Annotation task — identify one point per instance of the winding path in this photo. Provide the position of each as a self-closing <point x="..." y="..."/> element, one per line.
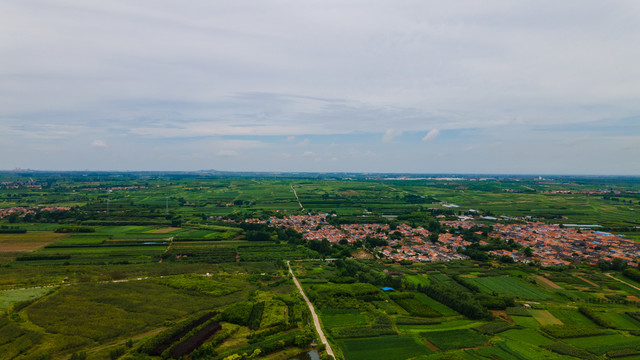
<point x="316" y="321"/>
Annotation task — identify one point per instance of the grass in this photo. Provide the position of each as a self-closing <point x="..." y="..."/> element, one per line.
<point x="274" y="313"/>
<point x="10" y="297"/>
<point x="393" y="347"/>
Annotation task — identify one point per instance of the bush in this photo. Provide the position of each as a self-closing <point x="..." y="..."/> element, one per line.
<point x="238" y="313"/>
<point x="255" y="318"/>
<point x="74" y="229"/>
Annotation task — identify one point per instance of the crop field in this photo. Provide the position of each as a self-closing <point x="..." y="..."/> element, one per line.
<point x="455" y="339"/>
<point x="621" y="320"/>
<point x="605" y="343"/>
<point x="385" y="347"/>
<point x="439" y="307"/>
<point x="28" y="242"/>
<point x="544" y="317"/>
<point x="507" y="285"/>
<point x="348" y="319"/>
<point x="571" y="317"/>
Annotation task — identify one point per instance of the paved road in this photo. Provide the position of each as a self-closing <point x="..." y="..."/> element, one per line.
<point x="316" y="322"/>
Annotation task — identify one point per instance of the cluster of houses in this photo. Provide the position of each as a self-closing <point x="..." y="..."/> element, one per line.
<point x="551" y="245"/>
<point x="558" y="245"/>
<point x="23" y="210"/>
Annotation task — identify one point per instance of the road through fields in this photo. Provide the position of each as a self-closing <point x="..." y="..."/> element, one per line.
<point x="316" y="321"/>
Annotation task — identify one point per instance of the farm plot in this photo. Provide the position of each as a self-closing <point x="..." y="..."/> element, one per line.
<point x="621" y="320"/>
<point x="353" y="319"/>
<point x="20" y="243"/>
<point x="571" y="317"/>
<point x="544" y="317"/>
<point x="392" y="347"/>
<point x="455" y="339"/>
<point x="605" y="343"/>
<point x="506" y="285"/>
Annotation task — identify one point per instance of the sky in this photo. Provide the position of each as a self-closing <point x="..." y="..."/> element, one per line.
<point x="495" y="86"/>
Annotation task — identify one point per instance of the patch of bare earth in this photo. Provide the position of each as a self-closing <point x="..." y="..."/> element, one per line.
<point x="587" y="281"/>
<point x="633" y="298"/>
<point x="16" y="243"/>
<point x="502" y="314"/>
<point x="548" y="282"/>
<point x="431" y="346"/>
<point x="362" y="255"/>
<point x="165" y="230"/>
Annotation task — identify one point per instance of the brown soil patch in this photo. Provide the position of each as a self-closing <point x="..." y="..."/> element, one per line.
<point x="362" y="255"/>
<point x="14" y="243"/>
<point x="348" y="193"/>
<point x="431" y="346"/>
<point x="502" y="314"/>
<point x="548" y="282"/>
<point x="587" y="281"/>
<point x="633" y="298"/>
<point x="469" y="276"/>
<point x="165" y="230"/>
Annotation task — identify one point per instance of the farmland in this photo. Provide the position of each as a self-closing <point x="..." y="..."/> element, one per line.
<point x="151" y="266"/>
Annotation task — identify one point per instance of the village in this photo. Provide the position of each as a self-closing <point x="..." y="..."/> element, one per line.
<point x="551" y="244"/>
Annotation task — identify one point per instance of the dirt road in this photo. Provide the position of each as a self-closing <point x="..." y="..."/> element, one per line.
<point x="316" y="322"/>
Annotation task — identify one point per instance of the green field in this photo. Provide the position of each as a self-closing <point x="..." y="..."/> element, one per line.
<point x="455" y="339"/>
<point x="384" y="347"/>
<point x="510" y="286"/>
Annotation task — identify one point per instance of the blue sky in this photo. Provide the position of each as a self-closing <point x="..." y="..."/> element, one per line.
<point x="533" y="87"/>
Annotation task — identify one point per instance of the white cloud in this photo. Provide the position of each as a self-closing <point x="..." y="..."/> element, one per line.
<point x="98" y="144"/>
<point x="431" y="135"/>
<point x="390" y="134"/>
<point x="228" y="153"/>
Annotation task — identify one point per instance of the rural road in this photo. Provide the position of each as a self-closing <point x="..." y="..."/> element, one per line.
<point x="316" y="322"/>
<point x="624" y="282"/>
<point x="297" y="198"/>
